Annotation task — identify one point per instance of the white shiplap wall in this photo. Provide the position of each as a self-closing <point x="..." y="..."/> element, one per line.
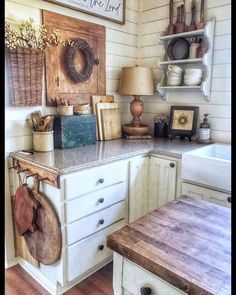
<point x="121" y="50"/>
<point x="154" y="20"/>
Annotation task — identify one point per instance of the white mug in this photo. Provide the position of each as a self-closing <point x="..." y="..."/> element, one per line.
<point x="173" y="74"/>
<point x="175" y="69"/>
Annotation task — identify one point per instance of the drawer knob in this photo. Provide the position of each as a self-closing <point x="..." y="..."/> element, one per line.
<point x="229" y="199"/>
<point x="172" y="165"/>
<point x="101" y="200"/>
<point x="145" y="291"/>
<point x="101" y="180"/>
<point x="101" y="221"/>
<point x="101" y="247"/>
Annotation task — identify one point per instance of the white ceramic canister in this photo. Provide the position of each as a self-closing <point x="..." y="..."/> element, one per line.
<point x="43" y="141"/>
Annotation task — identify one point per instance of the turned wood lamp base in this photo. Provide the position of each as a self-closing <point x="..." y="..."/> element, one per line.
<point x="136" y="81"/>
<point x="131" y="130"/>
<point x="136" y="128"/>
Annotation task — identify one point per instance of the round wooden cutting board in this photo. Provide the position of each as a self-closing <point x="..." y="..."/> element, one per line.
<point x="46" y="242"/>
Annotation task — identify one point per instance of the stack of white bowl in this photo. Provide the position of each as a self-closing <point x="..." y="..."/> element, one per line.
<point x="192" y="77"/>
<point x="174" y="75"/>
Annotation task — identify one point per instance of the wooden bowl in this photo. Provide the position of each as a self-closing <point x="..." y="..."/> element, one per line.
<point x="83" y="109"/>
<point x="129" y="129"/>
<point x="65" y="110"/>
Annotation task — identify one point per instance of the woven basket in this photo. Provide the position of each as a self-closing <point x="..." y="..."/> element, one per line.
<point x="25" y="71"/>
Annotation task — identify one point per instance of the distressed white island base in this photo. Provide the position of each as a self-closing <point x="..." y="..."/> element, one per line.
<point x="129" y="278"/>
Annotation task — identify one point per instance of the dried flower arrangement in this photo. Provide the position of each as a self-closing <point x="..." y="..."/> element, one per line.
<point x="25" y="36"/>
<point x="25" y="55"/>
<point x="161" y="118"/>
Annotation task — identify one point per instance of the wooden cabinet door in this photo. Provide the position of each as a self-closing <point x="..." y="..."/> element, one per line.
<point x="206" y="194"/>
<point x="138" y="187"/>
<point x="58" y="83"/>
<point x="162" y="182"/>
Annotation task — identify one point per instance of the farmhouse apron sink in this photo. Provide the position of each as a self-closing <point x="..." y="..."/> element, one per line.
<point x="209" y="165"/>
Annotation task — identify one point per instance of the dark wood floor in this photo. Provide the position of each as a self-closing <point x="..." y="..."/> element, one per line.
<point x="19" y="282"/>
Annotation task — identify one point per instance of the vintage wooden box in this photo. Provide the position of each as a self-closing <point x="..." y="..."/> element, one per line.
<point x="73" y="131"/>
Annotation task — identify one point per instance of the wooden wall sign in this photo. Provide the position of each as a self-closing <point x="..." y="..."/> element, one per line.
<point x="75" y="73"/>
<point x="113" y="10"/>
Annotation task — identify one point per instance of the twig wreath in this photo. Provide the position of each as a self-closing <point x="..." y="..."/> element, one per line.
<point x="87" y="52"/>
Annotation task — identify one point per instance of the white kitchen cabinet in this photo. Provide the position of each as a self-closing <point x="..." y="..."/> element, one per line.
<point x="133" y="277"/>
<point x="95" y="198"/>
<point x="153" y="181"/>
<point x="90" y="204"/>
<point x="136" y="277"/>
<point x="93" y="223"/>
<point x="210" y="195"/>
<point x="89" y="252"/>
<point x="162" y="182"/>
<point x="93" y="179"/>
<point x="138" y="187"/>
<point x="95" y="201"/>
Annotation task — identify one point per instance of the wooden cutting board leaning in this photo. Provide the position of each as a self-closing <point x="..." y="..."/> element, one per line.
<point x="111" y="125"/>
<point x="98" y="99"/>
<point x="107" y="122"/>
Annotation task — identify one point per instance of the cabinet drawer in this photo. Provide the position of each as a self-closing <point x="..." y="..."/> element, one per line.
<point x="135" y="277"/>
<point x="80" y="207"/>
<point x="95" y="222"/>
<point x="85" y="254"/>
<point x="92" y="179"/>
<point x="206" y="194"/>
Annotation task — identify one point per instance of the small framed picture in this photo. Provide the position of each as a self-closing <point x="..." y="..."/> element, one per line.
<point x="183" y="121"/>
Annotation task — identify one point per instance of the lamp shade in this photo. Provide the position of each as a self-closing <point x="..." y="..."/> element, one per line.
<point x="136" y="81"/>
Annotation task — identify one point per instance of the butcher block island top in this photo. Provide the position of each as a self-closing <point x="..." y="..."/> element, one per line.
<point x="187" y="242"/>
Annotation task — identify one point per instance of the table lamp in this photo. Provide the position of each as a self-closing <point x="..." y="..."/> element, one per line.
<point x="136" y="81"/>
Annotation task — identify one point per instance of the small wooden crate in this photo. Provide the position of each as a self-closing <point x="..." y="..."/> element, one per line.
<point x="74" y="131"/>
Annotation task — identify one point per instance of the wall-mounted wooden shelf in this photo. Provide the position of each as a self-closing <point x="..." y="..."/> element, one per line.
<point x="180" y="88"/>
<point x="183" y="35"/>
<point x="181" y="61"/>
<point x="205" y="63"/>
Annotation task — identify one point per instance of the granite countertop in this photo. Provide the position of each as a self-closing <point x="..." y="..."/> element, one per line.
<point x="187" y="242"/>
<point x="66" y="161"/>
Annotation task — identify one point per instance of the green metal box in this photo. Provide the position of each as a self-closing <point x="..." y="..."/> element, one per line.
<point x="73" y="131"/>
